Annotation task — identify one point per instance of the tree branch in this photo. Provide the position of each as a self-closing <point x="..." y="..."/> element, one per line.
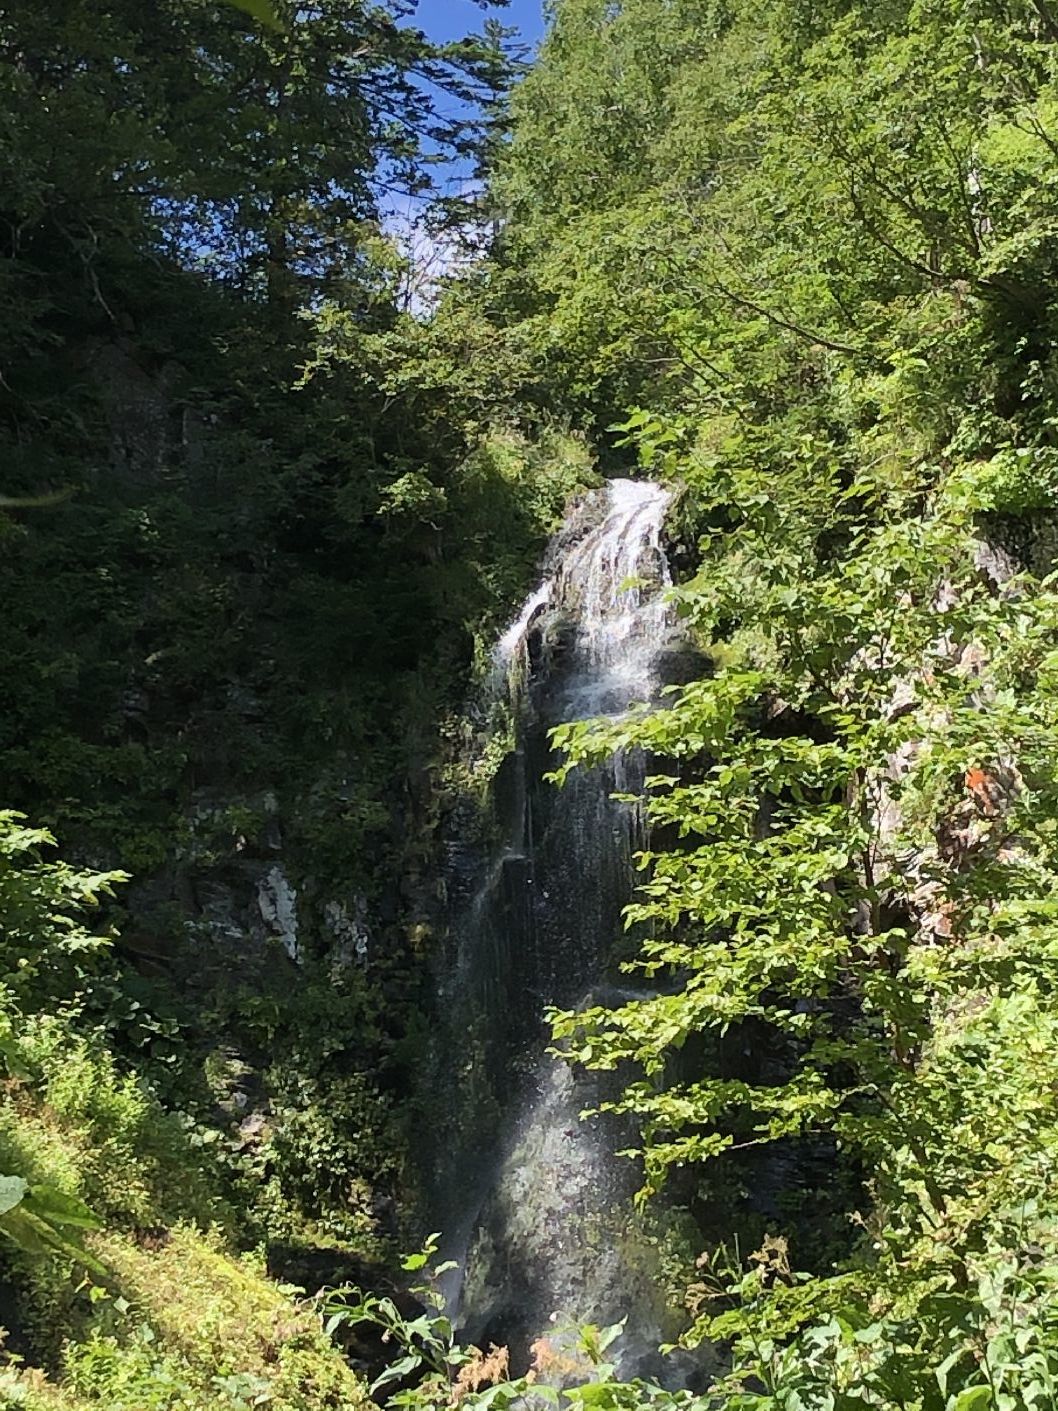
<point x="807" y="334"/>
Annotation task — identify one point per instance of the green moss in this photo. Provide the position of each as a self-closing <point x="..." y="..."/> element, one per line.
<point x="195" y="1328"/>
<point x="87" y="1128"/>
<point x="181" y="1323"/>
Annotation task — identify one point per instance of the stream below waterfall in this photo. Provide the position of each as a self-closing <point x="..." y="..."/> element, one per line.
<point x="535" y="1204"/>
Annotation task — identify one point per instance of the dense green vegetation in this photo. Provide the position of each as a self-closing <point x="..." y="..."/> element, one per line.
<point x="258" y="515"/>
<point x="814" y="257"/>
<point x="241" y="590"/>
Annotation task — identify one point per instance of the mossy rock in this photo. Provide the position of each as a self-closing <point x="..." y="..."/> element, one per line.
<point x="185" y="1326"/>
<point x="216" y="1325"/>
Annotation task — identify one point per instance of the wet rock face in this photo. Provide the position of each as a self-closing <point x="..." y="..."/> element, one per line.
<point x="976" y="826"/>
<point x="1018" y="542"/>
<point x="234" y="902"/>
<point x="350" y="932"/>
<point x="995" y="563"/>
<point x="534" y="1201"/>
<point x="277" y="902"/>
<point x="557" y="1242"/>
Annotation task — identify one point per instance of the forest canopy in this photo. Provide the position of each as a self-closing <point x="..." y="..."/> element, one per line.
<point x="262" y="515"/>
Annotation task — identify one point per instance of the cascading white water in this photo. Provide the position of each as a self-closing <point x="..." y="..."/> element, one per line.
<point x="608" y="582"/>
<point x="537" y="1204"/>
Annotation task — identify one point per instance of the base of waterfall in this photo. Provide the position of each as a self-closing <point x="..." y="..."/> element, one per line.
<point x="558" y="1242"/>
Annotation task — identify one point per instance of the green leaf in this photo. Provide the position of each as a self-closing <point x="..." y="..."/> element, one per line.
<point x="48" y="497"/>
<point x="35" y="1236"/>
<point x="260" y="10"/>
<point x="58" y="1208"/>
<point x="12" y="1191"/>
<point x="403" y="1367"/>
<point x="25" y="1232"/>
<point x="11" y="1058"/>
<point x="977" y="1398"/>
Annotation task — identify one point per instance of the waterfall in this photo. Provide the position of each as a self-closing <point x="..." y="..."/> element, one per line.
<point x="536" y="1205"/>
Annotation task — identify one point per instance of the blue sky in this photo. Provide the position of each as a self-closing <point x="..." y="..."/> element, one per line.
<point x="448" y="19"/>
<point x="452" y="19"/>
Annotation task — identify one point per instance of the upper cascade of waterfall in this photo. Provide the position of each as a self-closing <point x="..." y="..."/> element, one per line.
<point x="604" y="581"/>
